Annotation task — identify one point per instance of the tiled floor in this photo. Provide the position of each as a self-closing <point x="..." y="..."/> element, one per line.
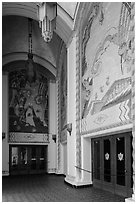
<point x="50" y="188"/>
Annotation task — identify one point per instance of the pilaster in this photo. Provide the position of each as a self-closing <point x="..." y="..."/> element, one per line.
<point x="132" y="40"/>
<point x="5" y="124"/>
<point x="58" y="89"/>
<point x="52" y="128"/>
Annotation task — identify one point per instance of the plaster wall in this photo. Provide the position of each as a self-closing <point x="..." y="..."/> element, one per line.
<point x="5" y="146"/>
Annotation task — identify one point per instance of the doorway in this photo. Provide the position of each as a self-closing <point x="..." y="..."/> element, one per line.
<point x="112" y="163"/>
<point x="28" y="159"/>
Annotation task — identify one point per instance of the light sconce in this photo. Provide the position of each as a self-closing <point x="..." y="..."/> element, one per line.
<point x="54" y="138"/>
<point x="47" y="12"/>
<point x="69" y="128"/>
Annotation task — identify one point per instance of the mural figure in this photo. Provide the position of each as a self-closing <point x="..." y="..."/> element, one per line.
<point x="109" y="63"/>
<point x="28" y="102"/>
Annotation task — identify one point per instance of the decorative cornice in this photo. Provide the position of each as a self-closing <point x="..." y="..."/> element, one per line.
<point x="17" y="137"/>
<point x="107" y="127"/>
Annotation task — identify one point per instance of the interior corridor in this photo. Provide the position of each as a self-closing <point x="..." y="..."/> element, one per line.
<point x="50" y="188"/>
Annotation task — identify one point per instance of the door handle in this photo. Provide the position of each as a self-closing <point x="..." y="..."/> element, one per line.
<point x="125" y="171"/>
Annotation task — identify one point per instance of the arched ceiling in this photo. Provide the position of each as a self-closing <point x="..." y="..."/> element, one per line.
<point x="64" y="22"/>
<point x="15" y="43"/>
<point x="15" y="33"/>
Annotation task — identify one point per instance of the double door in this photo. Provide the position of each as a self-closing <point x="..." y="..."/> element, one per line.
<point x="112" y="163"/>
<point x="28" y="159"/>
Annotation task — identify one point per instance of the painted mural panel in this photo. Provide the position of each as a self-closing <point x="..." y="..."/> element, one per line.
<point x="106" y="60"/>
<point x="28" y="103"/>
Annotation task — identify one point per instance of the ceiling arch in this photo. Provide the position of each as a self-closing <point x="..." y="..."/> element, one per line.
<point x="12" y="57"/>
<point x="64" y="22"/>
<point x="15" y="40"/>
<point x="20" y="64"/>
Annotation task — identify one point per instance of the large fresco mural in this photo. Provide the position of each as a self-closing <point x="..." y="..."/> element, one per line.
<point x="28" y="102"/>
<point x="106" y="61"/>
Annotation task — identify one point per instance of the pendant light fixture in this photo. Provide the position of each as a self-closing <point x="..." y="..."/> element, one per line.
<point x="30" y="65"/>
<point x="47" y="12"/>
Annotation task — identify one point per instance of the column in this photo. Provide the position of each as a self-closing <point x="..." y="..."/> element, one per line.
<point x="5" y="120"/>
<point x="132" y="39"/>
<point x="52" y="128"/>
<point x="71" y="112"/>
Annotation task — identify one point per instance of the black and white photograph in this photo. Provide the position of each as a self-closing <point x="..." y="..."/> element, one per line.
<point x="68" y="101"/>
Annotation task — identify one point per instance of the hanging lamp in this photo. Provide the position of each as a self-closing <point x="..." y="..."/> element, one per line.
<point x="47" y="12"/>
<point x="30" y="65"/>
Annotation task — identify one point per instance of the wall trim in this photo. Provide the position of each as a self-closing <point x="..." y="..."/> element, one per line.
<point x="111" y="131"/>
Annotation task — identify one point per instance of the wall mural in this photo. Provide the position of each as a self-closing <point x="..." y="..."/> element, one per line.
<point x="28" y="103"/>
<point x="106" y="58"/>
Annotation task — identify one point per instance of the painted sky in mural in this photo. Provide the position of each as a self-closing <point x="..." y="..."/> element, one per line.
<point x="28" y="103"/>
<point x="106" y="58"/>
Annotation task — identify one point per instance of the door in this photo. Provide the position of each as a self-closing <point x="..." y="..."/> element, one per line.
<point x="28" y="159"/>
<point x="112" y="163"/>
<point x="14" y="159"/>
<point x="123" y="169"/>
<point x="23" y="160"/>
<point x="38" y="159"/>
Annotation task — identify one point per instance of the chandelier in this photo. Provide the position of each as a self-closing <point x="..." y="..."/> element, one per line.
<point x="47" y="12"/>
<point x="30" y="65"/>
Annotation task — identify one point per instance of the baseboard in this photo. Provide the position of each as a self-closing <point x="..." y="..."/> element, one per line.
<point x="78" y="186"/>
<point x="77" y="183"/>
<point x="60" y="174"/>
<point x="129" y="200"/>
<point x="55" y="173"/>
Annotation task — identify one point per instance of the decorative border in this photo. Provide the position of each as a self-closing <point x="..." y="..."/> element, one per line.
<point x="132" y="38"/>
<point x="103" y="119"/>
<point x="81" y="13"/>
<point x="78" y="84"/>
<point x="60" y="57"/>
<point x="107" y="127"/>
<point x="58" y="127"/>
<point x="17" y="137"/>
